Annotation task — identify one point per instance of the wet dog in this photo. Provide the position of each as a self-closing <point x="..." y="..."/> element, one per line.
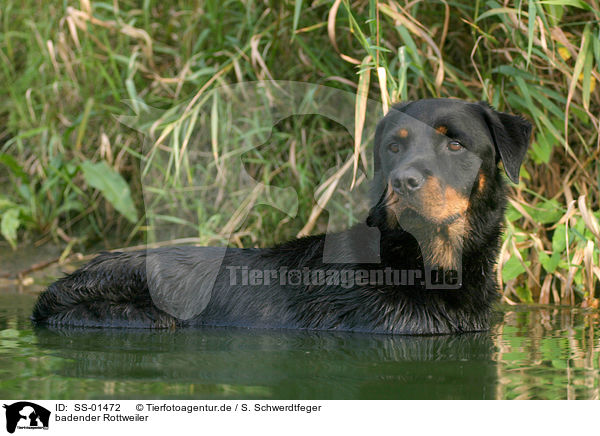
<point x="422" y="263"/>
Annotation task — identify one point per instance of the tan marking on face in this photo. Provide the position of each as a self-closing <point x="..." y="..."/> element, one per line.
<point x="442" y="130"/>
<point x="402" y="133"/>
<point x="431" y="197"/>
<point x="440" y="254"/>
<point x="481" y="181"/>
<point x="444" y="250"/>
<point x="438" y="204"/>
<point x="456" y="203"/>
<point x="443" y="245"/>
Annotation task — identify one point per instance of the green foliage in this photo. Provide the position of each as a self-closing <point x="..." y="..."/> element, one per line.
<point x="9" y="225"/>
<point x="113" y="187"/>
<point x="512" y="268"/>
<point x="65" y="70"/>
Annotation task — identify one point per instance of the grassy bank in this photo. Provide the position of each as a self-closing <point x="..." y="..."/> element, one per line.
<point x="72" y="170"/>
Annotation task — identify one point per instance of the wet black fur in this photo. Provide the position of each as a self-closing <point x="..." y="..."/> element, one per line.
<point x="112" y="290"/>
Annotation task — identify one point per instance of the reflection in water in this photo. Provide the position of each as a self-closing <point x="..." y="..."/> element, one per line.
<point x="283" y="364"/>
<point x="549" y="353"/>
<point x="531" y="353"/>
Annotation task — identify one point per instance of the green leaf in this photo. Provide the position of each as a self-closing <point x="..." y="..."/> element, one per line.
<point x="530" y="29"/>
<point x="512" y="214"/>
<point x="496" y="11"/>
<point x="559" y="242"/>
<point x="9" y="225"/>
<point x="544" y="213"/>
<point x="588" y="63"/>
<point x="541" y="148"/>
<point x="549" y="262"/>
<point x="14" y="166"/>
<point x="524" y="294"/>
<point x="562" y="3"/>
<point x="512" y="268"/>
<point x="5" y="203"/>
<point x="112" y="186"/>
<point x="297" y="10"/>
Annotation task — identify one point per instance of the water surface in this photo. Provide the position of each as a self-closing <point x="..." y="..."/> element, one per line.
<point x="532" y="353"/>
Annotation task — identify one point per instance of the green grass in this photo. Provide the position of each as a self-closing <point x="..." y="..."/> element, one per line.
<point x="67" y="67"/>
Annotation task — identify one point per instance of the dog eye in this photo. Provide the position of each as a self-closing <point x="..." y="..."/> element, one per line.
<point x="393" y="148"/>
<point x="455" y="146"/>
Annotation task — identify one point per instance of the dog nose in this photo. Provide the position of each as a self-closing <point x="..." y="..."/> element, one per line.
<point x="409" y="180"/>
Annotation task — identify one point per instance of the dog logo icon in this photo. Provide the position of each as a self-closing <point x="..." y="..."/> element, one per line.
<point x="26" y="415"/>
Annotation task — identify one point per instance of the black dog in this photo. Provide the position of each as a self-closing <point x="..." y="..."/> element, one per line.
<point x="430" y="243"/>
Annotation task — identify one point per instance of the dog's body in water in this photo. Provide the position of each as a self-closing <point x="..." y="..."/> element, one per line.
<point x="438" y="210"/>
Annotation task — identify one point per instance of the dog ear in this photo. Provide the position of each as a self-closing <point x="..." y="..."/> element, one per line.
<point x="511" y="135"/>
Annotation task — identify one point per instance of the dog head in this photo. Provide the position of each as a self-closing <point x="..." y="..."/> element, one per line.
<point x="432" y="158"/>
